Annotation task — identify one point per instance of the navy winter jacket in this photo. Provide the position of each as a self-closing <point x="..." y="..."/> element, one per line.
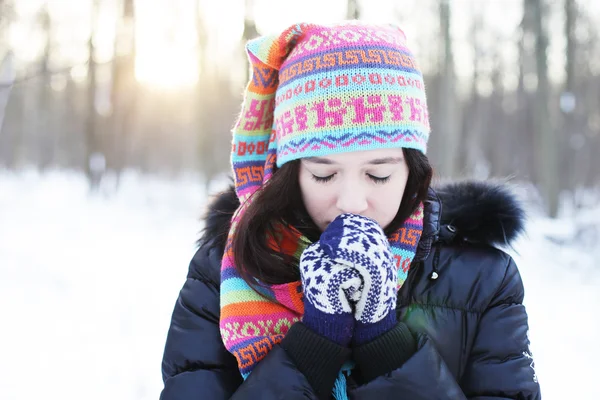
<point x="462" y="335"/>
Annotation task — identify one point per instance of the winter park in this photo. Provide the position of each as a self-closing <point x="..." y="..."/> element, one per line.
<point x="124" y="124"/>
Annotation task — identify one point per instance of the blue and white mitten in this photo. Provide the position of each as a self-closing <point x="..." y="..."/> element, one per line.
<point x="330" y="289"/>
<point x="360" y="243"/>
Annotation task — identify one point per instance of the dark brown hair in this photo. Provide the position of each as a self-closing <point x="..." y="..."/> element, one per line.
<point x="279" y="203"/>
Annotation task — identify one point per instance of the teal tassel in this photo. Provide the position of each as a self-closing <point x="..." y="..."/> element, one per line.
<point x="339" y="389"/>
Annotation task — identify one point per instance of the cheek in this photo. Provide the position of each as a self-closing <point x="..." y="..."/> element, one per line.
<point x="387" y="201"/>
<point x="316" y="197"/>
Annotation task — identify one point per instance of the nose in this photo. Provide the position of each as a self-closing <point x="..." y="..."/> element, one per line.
<point x="352" y="199"/>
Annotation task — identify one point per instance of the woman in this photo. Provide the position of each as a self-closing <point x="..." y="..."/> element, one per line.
<point x="342" y="274"/>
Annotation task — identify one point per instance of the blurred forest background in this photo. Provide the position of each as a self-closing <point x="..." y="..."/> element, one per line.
<point x="106" y="86"/>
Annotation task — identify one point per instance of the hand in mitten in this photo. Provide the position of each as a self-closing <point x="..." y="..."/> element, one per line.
<point x="330" y="289"/>
<point x="360" y="243"/>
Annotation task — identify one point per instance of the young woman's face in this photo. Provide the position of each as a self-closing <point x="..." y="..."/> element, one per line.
<point x="369" y="183"/>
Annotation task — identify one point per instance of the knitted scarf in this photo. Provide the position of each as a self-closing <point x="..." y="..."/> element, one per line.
<point x="252" y="324"/>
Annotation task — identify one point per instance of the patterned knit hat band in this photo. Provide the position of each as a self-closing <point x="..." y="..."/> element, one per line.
<point x="348" y="88"/>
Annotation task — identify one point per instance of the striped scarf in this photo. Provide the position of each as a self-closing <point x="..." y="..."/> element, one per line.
<point x="252" y="324"/>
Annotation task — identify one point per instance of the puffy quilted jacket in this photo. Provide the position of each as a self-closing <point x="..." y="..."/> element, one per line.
<point x="462" y="304"/>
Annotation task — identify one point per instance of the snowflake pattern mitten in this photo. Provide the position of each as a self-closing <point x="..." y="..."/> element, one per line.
<point x="360" y="243"/>
<point x="330" y="289"/>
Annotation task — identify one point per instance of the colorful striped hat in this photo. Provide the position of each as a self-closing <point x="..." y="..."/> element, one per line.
<point x="318" y="90"/>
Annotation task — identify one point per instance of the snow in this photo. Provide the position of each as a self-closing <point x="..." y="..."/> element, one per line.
<point x="88" y="284"/>
<point x="559" y="261"/>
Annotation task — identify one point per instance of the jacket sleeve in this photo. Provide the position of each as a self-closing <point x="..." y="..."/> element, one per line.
<point x="195" y="363"/>
<point x="499" y="366"/>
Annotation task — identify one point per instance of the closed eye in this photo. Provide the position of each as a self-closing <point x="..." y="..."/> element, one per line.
<point x="378" y="179"/>
<point x="323" y="179"/>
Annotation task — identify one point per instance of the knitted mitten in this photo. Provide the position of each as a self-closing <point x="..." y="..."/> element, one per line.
<point x="360" y="243"/>
<point x="329" y="291"/>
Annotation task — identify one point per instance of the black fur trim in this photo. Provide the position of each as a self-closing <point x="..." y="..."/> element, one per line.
<point x="482" y="211"/>
<point x="218" y="218"/>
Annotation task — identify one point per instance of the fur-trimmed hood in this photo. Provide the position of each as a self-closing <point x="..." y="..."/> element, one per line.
<point x="479" y="212"/>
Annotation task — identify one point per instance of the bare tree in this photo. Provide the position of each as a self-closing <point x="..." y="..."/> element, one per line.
<point x="499" y="142"/>
<point x="216" y="106"/>
<point x="353" y="11"/>
<point x="124" y="89"/>
<point x="568" y="99"/>
<point x="546" y="135"/>
<point x="45" y="134"/>
<point x="91" y="140"/>
<point x="7" y="77"/>
<point x="473" y="118"/>
<point x="250" y="29"/>
<point x="7" y="63"/>
<point x="570" y="21"/>
<point x="521" y="122"/>
<point x="447" y="102"/>
<point x="587" y="83"/>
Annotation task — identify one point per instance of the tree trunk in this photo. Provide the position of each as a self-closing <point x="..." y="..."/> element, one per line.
<point x="500" y="154"/>
<point x="7" y="76"/>
<point x="250" y="31"/>
<point x="353" y="10"/>
<point x="547" y="141"/>
<point x="473" y="126"/>
<point x="45" y="132"/>
<point x="215" y="103"/>
<point x="570" y="21"/>
<point x="91" y="141"/>
<point x="124" y="89"/>
<point x="571" y="159"/>
<point x="447" y="102"/>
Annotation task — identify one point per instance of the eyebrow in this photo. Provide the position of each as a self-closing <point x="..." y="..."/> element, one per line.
<point x="377" y="161"/>
<point x="386" y="160"/>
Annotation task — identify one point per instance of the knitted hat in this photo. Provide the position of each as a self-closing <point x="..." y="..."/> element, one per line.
<point x="319" y="90"/>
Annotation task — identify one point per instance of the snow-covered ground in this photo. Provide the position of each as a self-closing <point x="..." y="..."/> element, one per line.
<point x="88" y="283"/>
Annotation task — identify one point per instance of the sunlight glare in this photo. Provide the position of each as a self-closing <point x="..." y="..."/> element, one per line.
<point x="224" y="25"/>
<point x="104" y="35"/>
<point x="273" y="16"/>
<point x="27" y="41"/>
<point x="166" y="53"/>
<point x="28" y="8"/>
